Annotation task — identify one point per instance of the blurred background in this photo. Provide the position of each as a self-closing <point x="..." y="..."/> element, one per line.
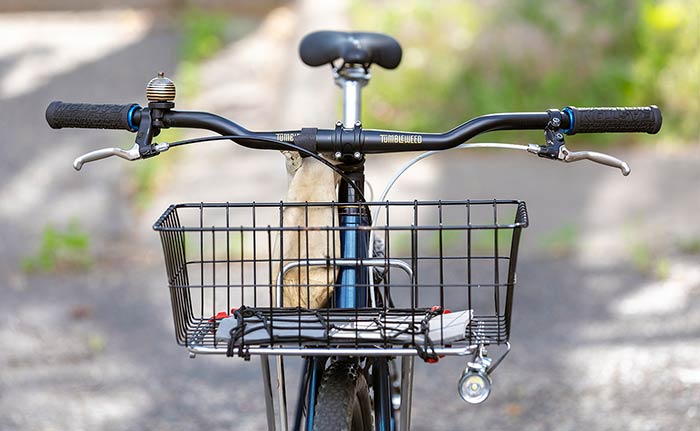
<point x="606" y="329"/>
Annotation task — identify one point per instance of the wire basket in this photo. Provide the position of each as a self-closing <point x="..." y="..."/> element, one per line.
<point x="435" y="276"/>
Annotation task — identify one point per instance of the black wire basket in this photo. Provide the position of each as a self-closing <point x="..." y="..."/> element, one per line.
<point x="437" y="276"/>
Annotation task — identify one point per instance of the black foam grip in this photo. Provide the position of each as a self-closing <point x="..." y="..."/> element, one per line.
<point x="88" y="116"/>
<point x="622" y="120"/>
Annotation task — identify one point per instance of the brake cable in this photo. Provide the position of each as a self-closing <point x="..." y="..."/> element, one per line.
<point x="290" y="146"/>
<point x="274" y="141"/>
<point x="408" y="165"/>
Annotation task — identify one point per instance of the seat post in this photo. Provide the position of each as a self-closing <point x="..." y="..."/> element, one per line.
<point x="351" y="79"/>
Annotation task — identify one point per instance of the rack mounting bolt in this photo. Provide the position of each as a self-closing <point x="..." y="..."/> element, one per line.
<point x="357" y="155"/>
<point x="358" y="123"/>
<point x="338" y="155"/>
<point x="339" y="124"/>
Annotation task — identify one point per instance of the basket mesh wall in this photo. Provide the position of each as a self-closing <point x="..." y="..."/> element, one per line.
<point x="229" y="259"/>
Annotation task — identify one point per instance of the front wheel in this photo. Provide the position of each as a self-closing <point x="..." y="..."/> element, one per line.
<point x="343" y="399"/>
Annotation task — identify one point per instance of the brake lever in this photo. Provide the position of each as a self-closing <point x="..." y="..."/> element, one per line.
<point x="142" y="149"/>
<point x="594" y="156"/>
<point x="555" y="148"/>
<point x="130" y="154"/>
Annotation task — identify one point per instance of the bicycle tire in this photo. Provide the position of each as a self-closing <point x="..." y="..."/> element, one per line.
<point x="343" y="400"/>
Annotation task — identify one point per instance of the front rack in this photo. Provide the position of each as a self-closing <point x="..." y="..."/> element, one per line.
<point x="259" y="278"/>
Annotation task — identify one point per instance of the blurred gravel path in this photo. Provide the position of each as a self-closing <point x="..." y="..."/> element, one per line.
<point x="596" y="344"/>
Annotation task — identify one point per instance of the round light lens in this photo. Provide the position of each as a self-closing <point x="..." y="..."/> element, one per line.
<point x="474" y="387"/>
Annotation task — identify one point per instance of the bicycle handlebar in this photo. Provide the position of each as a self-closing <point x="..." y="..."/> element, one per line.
<point x="347" y="143"/>
<point x="574" y="120"/>
<point x="346" y="140"/>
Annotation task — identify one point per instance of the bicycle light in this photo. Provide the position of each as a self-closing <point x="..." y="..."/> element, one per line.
<point x="474" y="386"/>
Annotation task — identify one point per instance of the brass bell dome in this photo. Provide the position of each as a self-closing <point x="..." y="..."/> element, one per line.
<point x="160" y="89"/>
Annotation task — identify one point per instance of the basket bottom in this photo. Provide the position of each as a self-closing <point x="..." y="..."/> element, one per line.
<point x="333" y="328"/>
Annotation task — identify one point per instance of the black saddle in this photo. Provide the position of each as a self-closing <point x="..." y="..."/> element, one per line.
<point x="323" y="47"/>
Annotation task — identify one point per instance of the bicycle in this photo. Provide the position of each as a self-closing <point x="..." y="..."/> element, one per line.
<point x="380" y="291"/>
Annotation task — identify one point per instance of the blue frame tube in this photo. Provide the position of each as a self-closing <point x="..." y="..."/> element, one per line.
<point x="351" y="291"/>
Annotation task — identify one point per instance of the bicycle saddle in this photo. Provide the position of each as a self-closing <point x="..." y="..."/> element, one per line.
<point x="322" y="47"/>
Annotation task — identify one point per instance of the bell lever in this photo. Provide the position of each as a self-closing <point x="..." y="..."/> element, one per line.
<point x="555" y="147"/>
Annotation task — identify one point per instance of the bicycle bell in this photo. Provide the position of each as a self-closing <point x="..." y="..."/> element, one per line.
<point x="160" y="89"/>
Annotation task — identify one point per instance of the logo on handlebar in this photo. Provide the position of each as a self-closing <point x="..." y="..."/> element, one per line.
<point x="401" y="139"/>
<point x="286" y="137"/>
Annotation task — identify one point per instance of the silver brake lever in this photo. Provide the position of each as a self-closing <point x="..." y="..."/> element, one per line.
<point x="603" y="159"/>
<point x="130" y="154"/>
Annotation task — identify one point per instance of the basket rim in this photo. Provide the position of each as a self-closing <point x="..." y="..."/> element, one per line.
<point x="521" y="215"/>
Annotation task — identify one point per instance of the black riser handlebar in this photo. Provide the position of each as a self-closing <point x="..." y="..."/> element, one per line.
<point x="573" y="120"/>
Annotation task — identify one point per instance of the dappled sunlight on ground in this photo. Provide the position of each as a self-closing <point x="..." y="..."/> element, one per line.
<point x="664" y="296"/>
<point x="35" y="47"/>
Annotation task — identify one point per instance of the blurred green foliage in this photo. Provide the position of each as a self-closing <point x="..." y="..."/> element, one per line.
<point x="560" y="242"/>
<point x="67" y="248"/>
<point x="203" y="34"/>
<point x="689" y="245"/>
<point x="648" y="261"/>
<point x="463" y="59"/>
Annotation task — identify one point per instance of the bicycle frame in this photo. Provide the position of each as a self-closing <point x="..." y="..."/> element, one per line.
<point x="353" y="284"/>
<point x="354" y="246"/>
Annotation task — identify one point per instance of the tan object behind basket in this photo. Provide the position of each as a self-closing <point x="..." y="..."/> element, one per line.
<point x="308" y="286"/>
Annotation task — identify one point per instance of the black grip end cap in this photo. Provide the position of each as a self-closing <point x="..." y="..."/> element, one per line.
<point x="658" y="119"/>
<point x="51" y="114"/>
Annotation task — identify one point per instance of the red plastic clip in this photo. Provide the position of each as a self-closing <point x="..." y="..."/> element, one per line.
<point x="435" y="308"/>
<point x="222" y="315"/>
